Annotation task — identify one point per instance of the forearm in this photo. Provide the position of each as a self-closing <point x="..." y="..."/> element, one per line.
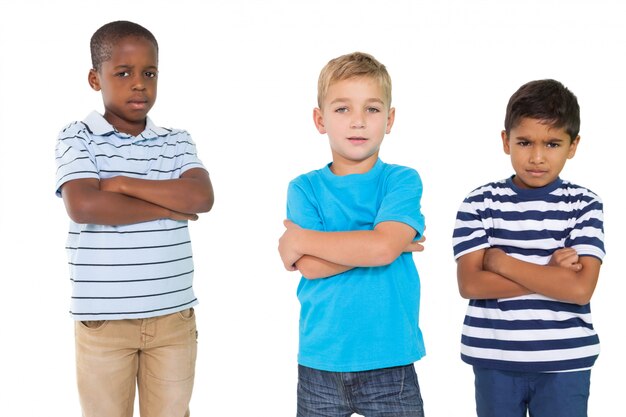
<point x="85" y="202"/>
<point x="556" y="282"/>
<point x="355" y="248"/>
<point x="106" y="208"/>
<point x="477" y="283"/>
<point x="314" y="268"/>
<point x="480" y="285"/>
<point x="191" y="193"/>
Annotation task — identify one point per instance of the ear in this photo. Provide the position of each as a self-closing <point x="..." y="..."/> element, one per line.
<point x="318" y="119"/>
<point x="506" y="143"/>
<point x="572" y="147"/>
<point x="94" y="79"/>
<point x="390" y="119"/>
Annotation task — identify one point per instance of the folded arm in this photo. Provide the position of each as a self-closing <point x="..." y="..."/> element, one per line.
<point x="123" y="200"/>
<point x="477" y="283"/>
<point x="340" y="251"/>
<point x="492" y="273"/>
<point x="567" y="277"/>
<point x="191" y="193"/>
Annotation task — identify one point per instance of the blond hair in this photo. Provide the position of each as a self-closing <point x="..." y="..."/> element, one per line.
<point x="356" y="64"/>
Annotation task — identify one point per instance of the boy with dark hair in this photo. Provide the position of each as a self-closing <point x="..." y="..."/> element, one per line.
<point x="129" y="188"/>
<point x="351" y="228"/>
<point x="529" y="250"/>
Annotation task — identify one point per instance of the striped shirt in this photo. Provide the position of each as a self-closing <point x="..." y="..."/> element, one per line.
<point x="130" y="271"/>
<point x="530" y="333"/>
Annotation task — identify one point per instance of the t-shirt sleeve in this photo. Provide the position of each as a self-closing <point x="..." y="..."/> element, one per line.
<point x="469" y="231"/>
<point x="74" y="159"/>
<point x="301" y="205"/>
<point x="402" y="200"/>
<point x="189" y="154"/>
<point x="587" y="236"/>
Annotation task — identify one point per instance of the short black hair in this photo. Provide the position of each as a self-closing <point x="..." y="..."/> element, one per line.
<point x="107" y="36"/>
<point x="547" y="100"/>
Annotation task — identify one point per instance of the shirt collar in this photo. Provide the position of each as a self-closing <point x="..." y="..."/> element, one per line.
<point x="98" y="125"/>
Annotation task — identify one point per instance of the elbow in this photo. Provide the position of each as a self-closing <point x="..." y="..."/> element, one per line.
<point x="308" y="273"/>
<point x="80" y="211"/>
<point x="204" y="206"/>
<point x="205" y="203"/>
<point x="581" y="297"/>
<point x="467" y="291"/>
<point x="464" y="293"/>
<point x="201" y="204"/>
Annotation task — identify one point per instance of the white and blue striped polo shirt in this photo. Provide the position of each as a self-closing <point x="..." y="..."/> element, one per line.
<point x="530" y="333"/>
<point x="130" y="271"/>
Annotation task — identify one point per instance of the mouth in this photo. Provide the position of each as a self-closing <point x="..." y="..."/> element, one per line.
<point x="138" y="104"/>
<point x="357" y="139"/>
<point x="535" y="173"/>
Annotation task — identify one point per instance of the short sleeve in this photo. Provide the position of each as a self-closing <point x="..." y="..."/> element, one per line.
<point x="402" y="200"/>
<point x="190" y="154"/>
<point x="587" y="236"/>
<point x="469" y="232"/>
<point x="302" y="207"/>
<point x="74" y="160"/>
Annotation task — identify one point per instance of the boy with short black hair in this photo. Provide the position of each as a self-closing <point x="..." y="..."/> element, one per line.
<point x="129" y="188"/>
<point x="529" y="250"/>
<point x="351" y="228"/>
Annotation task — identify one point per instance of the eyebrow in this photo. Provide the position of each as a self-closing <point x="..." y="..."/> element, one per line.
<point x="551" y="139"/>
<point x="124" y="66"/>
<point x="369" y="100"/>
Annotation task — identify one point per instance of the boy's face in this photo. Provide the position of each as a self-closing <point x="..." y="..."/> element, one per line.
<point x="538" y="152"/>
<point x="356" y="117"/>
<point x="128" y="82"/>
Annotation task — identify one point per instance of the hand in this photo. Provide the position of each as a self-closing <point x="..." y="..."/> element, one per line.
<point x="566" y="258"/>
<point x="286" y="246"/>
<point x="415" y="245"/>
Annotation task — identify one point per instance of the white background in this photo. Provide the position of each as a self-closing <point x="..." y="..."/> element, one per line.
<point x="241" y="77"/>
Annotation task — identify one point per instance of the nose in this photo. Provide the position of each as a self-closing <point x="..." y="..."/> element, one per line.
<point x="536" y="155"/>
<point x="138" y="83"/>
<point x="358" y="120"/>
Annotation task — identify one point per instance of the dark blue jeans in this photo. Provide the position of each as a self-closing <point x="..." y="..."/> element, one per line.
<point x="513" y="394"/>
<point x="388" y="392"/>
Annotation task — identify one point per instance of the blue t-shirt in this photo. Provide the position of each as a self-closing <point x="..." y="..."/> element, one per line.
<point x="367" y="317"/>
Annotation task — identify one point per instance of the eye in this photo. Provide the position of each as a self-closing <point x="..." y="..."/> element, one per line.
<point x="373" y="110"/>
<point x="523" y="143"/>
<point x="553" y="145"/>
<point x="150" y="74"/>
<point x="341" y="110"/>
<point x="122" y="74"/>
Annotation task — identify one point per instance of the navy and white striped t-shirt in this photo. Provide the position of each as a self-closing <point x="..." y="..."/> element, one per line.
<point x="130" y="271"/>
<point x="530" y="333"/>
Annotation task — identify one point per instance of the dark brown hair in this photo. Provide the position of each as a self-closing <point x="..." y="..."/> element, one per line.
<point x="547" y="100"/>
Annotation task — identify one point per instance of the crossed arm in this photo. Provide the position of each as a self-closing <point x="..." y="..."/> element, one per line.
<point x="125" y="200"/>
<point x="491" y="273"/>
<point x="322" y="254"/>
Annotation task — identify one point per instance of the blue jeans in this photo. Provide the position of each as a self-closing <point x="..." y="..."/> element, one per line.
<point x="378" y="393"/>
<point x="512" y="394"/>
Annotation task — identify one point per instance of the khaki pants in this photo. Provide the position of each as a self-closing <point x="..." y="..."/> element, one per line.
<point x="158" y="355"/>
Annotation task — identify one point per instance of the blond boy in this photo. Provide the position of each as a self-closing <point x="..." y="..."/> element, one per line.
<point x="351" y="228"/>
